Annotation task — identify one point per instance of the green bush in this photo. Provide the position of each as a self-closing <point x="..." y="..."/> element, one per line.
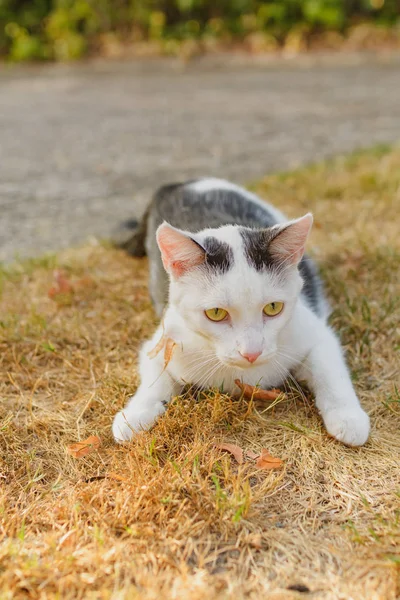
<point x="67" y="29"/>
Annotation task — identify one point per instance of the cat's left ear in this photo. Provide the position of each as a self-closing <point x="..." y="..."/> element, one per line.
<point x="288" y="245"/>
<point x="179" y="252"/>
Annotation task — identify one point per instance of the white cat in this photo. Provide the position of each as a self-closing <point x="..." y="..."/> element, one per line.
<point x="244" y="303"/>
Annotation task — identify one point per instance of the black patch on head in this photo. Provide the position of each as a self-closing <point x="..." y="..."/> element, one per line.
<point x="219" y="255"/>
<point x="256" y="247"/>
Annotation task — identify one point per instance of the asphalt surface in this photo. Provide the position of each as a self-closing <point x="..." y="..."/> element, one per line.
<point x="84" y="146"/>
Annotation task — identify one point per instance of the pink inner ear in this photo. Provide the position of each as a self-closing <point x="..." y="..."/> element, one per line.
<point x="289" y="244"/>
<point x="178" y="251"/>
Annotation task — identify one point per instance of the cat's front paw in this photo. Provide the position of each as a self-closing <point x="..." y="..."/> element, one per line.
<point x="135" y="417"/>
<point x="349" y="426"/>
<point x="121" y="428"/>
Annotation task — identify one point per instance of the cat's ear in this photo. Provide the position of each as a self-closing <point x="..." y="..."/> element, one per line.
<point x="179" y="252"/>
<point x="289" y="243"/>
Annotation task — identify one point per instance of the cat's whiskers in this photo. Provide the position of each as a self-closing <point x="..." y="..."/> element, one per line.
<point x="207" y="377"/>
<point x="200" y="362"/>
<point x="199" y="368"/>
<point x="294" y="357"/>
<point x="195" y="362"/>
<point x="282" y="372"/>
<point x="201" y="383"/>
<point x="291" y="378"/>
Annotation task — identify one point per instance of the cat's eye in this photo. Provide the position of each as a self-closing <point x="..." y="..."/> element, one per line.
<point x="273" y="308"/>
<point x="216" y="314"/>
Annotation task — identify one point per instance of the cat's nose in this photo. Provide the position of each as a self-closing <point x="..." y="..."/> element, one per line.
<point x="250" y="356"/>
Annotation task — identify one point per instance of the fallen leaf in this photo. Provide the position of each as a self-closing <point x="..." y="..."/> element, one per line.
<point x="251" y="391"/>
<point x="84" y="448"/>
<point x="236" y="451"/>
<point x="251" y="454"/>
<point x="68" y="539"/>
<point x="84" y="282"/>
<point x="62" y="281"/>
<point x="62" y="285"/>
<point x="168" y="352"/>
<point x="255" y="540"/>
<point x="160" y="345"/>
<point x="266" y="461"/>
<point x="117" y="477"/>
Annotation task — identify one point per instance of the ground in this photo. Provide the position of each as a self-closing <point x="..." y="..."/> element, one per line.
<point x="94" y="140"/>
<point x="171" y="515"/>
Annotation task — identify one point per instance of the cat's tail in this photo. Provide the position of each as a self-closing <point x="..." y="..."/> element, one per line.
<point x="131" y="236"/>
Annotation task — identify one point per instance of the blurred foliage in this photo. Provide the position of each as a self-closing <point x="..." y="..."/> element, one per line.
<point x="68" y="29"/>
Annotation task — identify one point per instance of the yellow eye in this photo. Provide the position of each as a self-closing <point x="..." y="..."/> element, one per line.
<point x="216" y="314"/>
<point x="273" y="308"/>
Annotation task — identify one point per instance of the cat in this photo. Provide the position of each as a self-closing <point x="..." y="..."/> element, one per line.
<point x="240" y="300"/>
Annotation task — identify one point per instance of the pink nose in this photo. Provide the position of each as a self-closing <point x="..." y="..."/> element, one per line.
<point x="250" y="356"/>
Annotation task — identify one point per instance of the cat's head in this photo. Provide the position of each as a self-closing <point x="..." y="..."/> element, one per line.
<point x="234" y="286"/>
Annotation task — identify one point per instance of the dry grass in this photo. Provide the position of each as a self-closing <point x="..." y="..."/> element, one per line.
<point x="183" y="520"/>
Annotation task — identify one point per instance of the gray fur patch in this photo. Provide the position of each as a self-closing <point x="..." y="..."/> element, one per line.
<point x="312" y="289"/>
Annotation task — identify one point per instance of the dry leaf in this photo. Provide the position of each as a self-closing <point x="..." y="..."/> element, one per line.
<point x="250" y="391"/>
<point x="251" y="454"/>
<point x="85" y="282"/>
<point x="84" y="448"/>
<point x="169" y="345"/>
<point x="266" y="461"/>
<point x="236" y="451"/>
<point x="168" y="352"/>
<point x="68" y="539"/>
<point x="255" y="540"/>
<point x="62" y="285"/>
<point x="62" y="282"/>
<point x="117" y="477"/>
<point x="160" y="345"/>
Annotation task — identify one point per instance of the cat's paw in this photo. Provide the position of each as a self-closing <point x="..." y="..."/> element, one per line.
<point x="135" y="418"/>
<point x="121" y="428"/>
<point x="349" y="426"/>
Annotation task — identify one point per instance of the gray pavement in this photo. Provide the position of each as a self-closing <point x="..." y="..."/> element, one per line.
<point x="83" y="146"/>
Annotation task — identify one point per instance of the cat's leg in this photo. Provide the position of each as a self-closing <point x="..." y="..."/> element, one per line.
<point x="327" y="375"/>
<point x="150" y="401"/>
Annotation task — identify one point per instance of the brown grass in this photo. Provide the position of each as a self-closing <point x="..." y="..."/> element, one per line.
<point x="170" y="515"/>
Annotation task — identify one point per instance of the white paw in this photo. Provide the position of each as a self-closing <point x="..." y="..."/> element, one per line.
<point x="121" y="428"/>
<point x="129" y="421"/>
<point x="350" y="426"/>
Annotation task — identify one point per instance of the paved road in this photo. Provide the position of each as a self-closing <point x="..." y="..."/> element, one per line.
<point x="82" y="147"/>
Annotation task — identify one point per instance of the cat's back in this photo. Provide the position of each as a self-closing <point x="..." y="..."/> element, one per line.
<point x="208" y="203"/>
